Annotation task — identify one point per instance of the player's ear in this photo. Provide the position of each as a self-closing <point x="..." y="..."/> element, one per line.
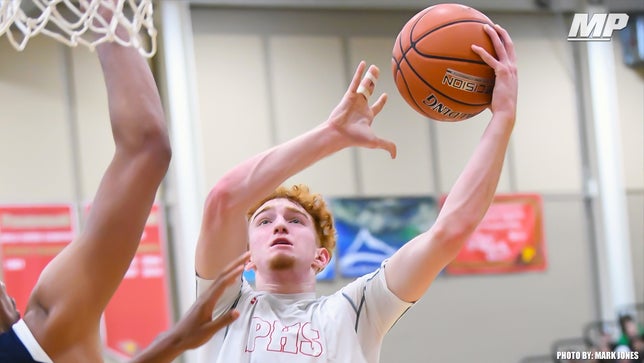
<point x="322" y="258"/>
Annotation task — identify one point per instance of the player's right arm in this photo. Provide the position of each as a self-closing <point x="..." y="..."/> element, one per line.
<point x="223" y="234"/>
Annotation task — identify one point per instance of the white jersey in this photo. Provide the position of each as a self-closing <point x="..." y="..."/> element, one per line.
<point x="29" y="342"/>
<point x="348" y="326"/>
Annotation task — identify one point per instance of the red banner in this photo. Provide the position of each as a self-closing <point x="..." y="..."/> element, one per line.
<point x="140" y="308"/>
<point x="510" y="238"/>
<point x="30" y="236"/>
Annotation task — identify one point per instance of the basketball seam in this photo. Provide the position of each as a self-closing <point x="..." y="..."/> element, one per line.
<point x="412" y="43"/>
<point x="402" y="75"/>
<point x="441" y="27"/>
<point x="448" y="58"/>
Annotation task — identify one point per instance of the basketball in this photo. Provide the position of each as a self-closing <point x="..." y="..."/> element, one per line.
<point x="434" y="68"/>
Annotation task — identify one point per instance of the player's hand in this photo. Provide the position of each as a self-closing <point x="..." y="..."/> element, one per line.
<point x="504" y="98"/>
<point x="353" y="116"/>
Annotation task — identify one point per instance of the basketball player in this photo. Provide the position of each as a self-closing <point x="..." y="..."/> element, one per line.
<point x="290" y="235"/>
<point x="61" y="321"/>
<point x="62" y="317"/>
<point x="194" y="328"/>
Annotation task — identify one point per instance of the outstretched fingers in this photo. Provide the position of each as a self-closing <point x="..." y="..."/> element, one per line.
<point x="379" y="104"/>
<point x="368" y="82"/>
<point x="388" y="146"/>
<point x="227" y="277"/>
<point x="366" y="88"/>
<point x="368" y="85"/>
<point x="354" y="115"/>
<point x="232" y="271"/>
<point x="365" y="84"/>
<point x="222" y="321"/>
<point x="357" y="77"/>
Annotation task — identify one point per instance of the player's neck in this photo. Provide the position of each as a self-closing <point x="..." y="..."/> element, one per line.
<point x="285" y="282"/>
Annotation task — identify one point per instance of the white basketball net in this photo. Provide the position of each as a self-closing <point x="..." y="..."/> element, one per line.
<point x="77" y="22"/>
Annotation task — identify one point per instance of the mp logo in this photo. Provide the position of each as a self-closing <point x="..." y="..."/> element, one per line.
<point x="599" y="27"/>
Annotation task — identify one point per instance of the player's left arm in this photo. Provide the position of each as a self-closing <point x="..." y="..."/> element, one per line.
<point x="412" y="269"/>
<point x="73" y="290"/>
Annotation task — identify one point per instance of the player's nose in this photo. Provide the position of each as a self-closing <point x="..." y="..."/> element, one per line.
<point x="280" y="226"/>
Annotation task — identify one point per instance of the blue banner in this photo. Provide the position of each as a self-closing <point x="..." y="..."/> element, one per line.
<point x="370" y="230"/>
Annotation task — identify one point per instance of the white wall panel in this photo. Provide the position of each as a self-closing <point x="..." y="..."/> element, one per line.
<point x="456" y="142"/>
<point x="630" y="97"/>
<point x="545" y="141"/>
<point x="95" y="141"/>
<point x="233" y="100"/>
<point x="308" y="81"/>
<point x="411" y="172"/>
<point x="34" y="136"/>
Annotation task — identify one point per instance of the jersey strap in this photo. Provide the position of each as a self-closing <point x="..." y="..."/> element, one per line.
<point x="27" y="338"/>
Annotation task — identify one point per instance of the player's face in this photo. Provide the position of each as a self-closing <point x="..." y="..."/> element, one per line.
<point x="8" y="312"/>
<point x="282" y="236"/>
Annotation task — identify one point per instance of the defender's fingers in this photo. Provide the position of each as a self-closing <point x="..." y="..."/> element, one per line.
<point x="222" y="321"/>
<point x="226" y="278"/>
<point x="217" y="288"/>
<point x="241" y="260"/>
<point x="231" y="275"/>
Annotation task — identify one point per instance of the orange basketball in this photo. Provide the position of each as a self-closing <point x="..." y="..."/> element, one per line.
<point x="434" y="67"/>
